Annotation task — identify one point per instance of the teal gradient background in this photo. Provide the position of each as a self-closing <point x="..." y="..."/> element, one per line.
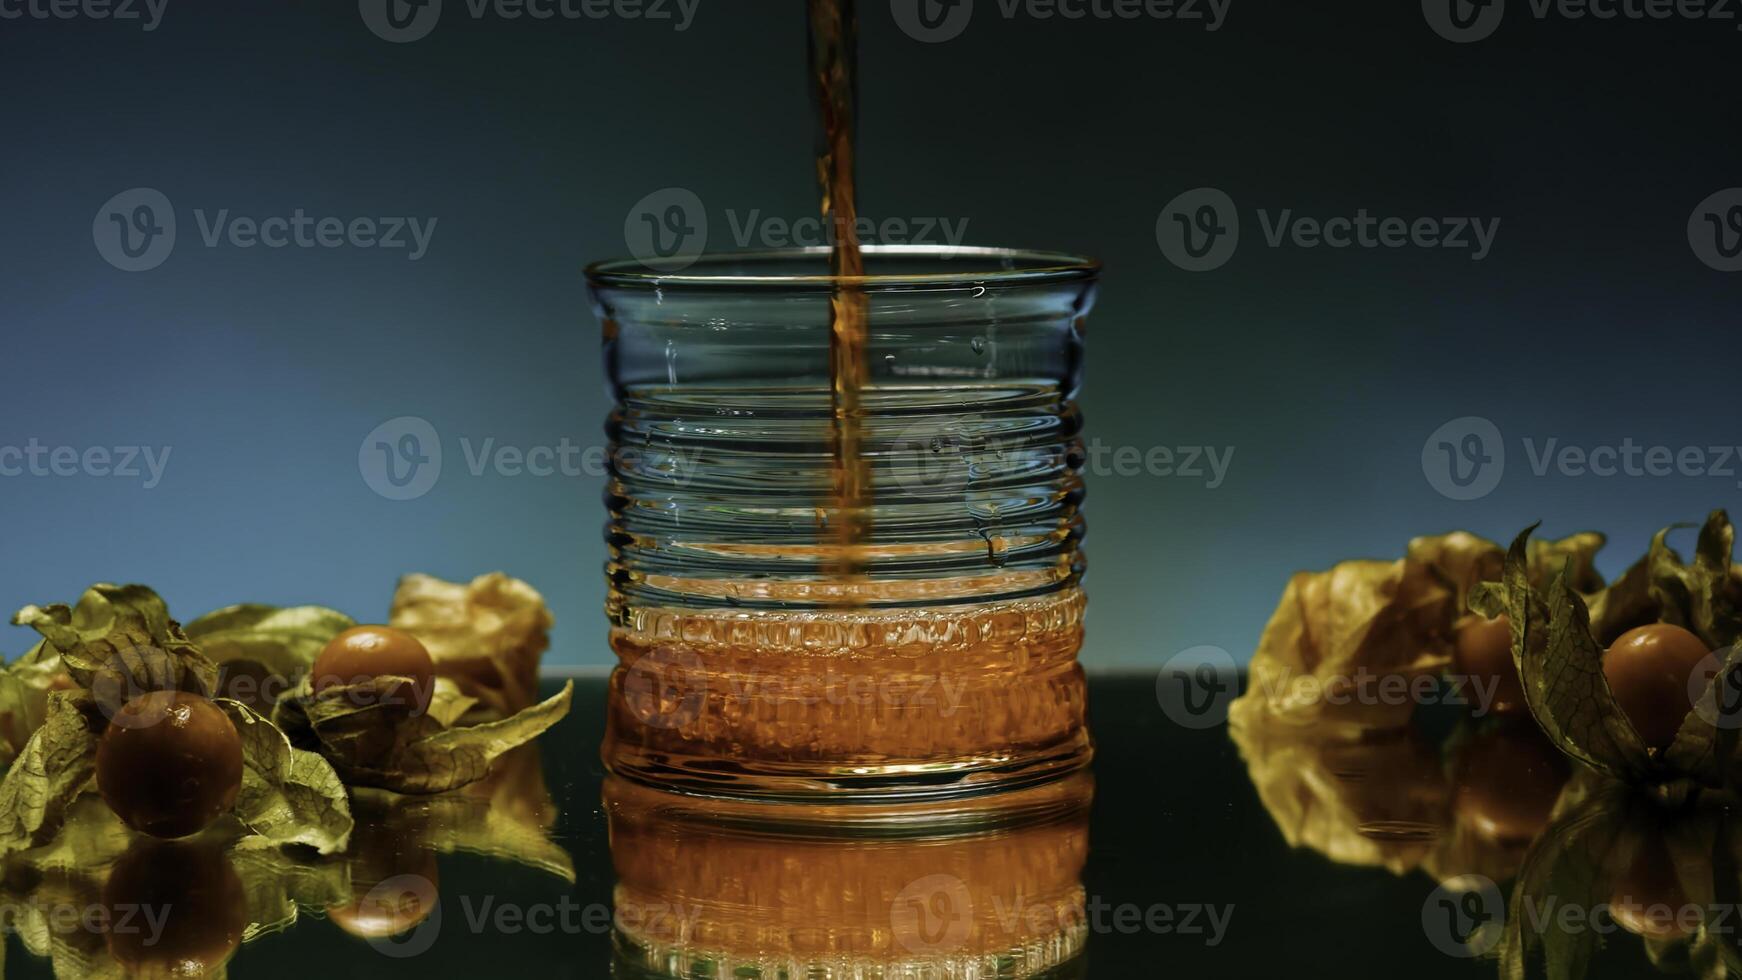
<point x="530" y="141"/>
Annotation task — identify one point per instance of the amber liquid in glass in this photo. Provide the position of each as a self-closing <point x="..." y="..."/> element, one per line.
<point x="853" y="691"/>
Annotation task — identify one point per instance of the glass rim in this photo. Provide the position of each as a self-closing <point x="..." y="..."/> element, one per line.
<point x="1036" y="268"/>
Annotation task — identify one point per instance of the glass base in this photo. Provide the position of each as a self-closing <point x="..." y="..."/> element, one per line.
<point x="902" y="781"/>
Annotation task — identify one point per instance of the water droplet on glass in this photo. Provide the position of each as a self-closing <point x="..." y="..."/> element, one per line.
<point x="979" y="345"/>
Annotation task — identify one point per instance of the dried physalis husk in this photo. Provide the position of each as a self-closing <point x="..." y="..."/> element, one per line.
<point x="1560" y="634"/>
<point x="1341" y="638"/>
<point x="487" y="635"/>
<point x="1357" y="647"/>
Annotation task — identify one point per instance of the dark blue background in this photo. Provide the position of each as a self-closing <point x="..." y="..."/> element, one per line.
<point x="1592" y="321"/>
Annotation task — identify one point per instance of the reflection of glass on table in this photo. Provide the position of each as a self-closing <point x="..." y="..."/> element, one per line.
<point x="988" y="886"/>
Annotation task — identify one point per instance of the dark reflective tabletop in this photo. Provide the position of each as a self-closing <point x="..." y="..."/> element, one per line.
<point x="1182" y="868"/>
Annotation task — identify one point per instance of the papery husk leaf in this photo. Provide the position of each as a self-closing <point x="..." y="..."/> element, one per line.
<point x="24" y="690"/>
<point x="488" y="635"/>
<point x="452" y="757"/>
<point x="507" y="815"/>
<point x="1460" y="561"/>
<point x="1560" y="665"/>
<point x="288" y="795"/>
<point x="1625" y="603"/>
<point x="119" y="643"/>
<point x="392" y="747"/>
<point x="1488" y="599"/>
<point x="1568" y="866"/>
<point x="1574" y="556"/>
<point x="352" y="725"/>
<point x="1705" y="596"/>
<point x="1380" y="801"/>
<point x="1702" y="845"/>
<point x="279" y="886"/>
<point x="447" y="704"/>
<point x="89" y="841"/>
<point x="1360" y="619"/>
<point x="464" y="821"/>
<point x="73" y="952"/>
<point x="284" y="640"/>
<point x="1366" y="619"/>
<point x="1704" y="748"/>
<point x="55" y="766"/>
